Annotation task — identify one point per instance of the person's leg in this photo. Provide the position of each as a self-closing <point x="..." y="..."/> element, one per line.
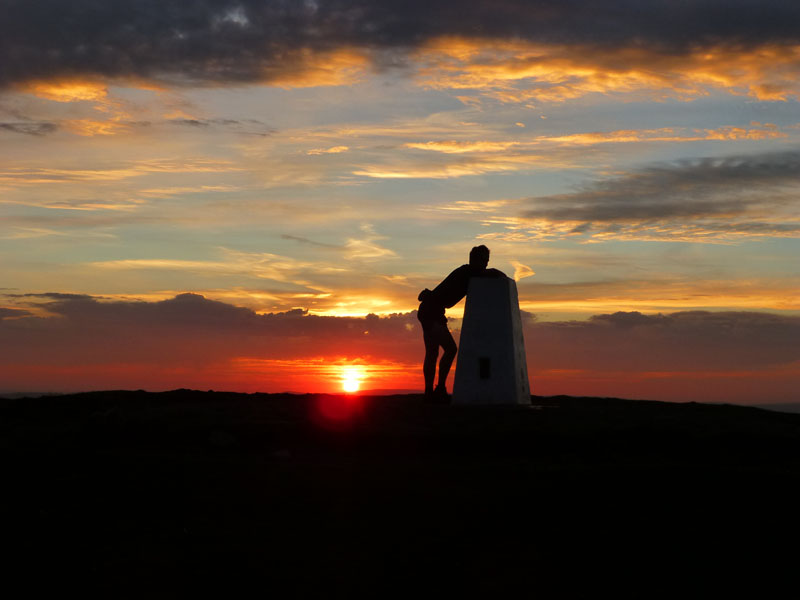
<point x="447" y="342"/>
<point x="431" y="354"/>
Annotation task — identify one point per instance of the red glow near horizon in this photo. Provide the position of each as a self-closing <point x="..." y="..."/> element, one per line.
<point x="337" y="411"/>
<point x="325" y="375"/>
<point x="329" y="376"/>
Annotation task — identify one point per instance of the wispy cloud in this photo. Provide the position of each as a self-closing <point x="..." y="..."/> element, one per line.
<point x="453" y="158"/>
<point x="409" y="167"/>
<point x="13" y="313"/>
<point x="659" y="293"/>
<point x="521" y="271"/>
<point x="304" y="240"/>
<point x="756" y="131"/>
<point x="331" y="150"/>
<point x="68" y="90"/>
<point x="260" y="265"/>
<point x="36" y="128"/>
<point x="366" y="246"/>
<point x="461" y="147"/>
<point x="27" y="175"/>
<point x="241" y="126"/>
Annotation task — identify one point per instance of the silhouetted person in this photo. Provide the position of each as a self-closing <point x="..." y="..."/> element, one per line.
<point x="434" y="324"/>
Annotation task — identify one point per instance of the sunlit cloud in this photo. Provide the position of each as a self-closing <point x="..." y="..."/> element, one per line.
<point x="459" y="147"/>
<point x="303" y="69"/>
<point x="527" y="72"/>
<point x="36" y="176"/>
<point x="470" y="207"/>
<point x="21" y="233"/>
<point x="128" y="169"/>
<point x="67" y="91"/>
<point x="366" y="246"/>
<point x="461" y="158"/>
<point x="463" y="166"/>
<point x="521" y="271"/>
<point x="331" y="150"/>
<point x="756" y="131"/>
<point x="658" y="295"/>
<point x="110" y="116"/>
<point x="91" y="127"/>
<point x="260" y="265"/>
<point x="180" y="190"/>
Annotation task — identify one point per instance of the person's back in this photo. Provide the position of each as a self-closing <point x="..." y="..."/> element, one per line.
<point x="454" y="287"/>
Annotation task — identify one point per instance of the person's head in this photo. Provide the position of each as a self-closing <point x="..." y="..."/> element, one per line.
<point x="479" y="257"/>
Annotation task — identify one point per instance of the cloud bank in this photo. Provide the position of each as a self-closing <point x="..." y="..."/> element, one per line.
<point x="212" y="42"/>
<point x="192" y="341"/>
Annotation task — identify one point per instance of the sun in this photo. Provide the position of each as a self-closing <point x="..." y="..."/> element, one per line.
<point x="351" y="379"/>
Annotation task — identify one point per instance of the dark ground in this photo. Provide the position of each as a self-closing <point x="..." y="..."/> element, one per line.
<point x="162" y="495"/>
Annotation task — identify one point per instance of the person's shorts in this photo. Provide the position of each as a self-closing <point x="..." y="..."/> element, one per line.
<point x="428" y="314"/>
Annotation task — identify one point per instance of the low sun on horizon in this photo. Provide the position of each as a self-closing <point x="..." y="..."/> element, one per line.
<point x="352" y="378"/>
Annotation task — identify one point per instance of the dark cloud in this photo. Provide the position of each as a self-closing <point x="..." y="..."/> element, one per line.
<point x="245" y="126"/>
<point x="208" y="41"/>
<point x="59" y="296"/>
<point x="303" y="240"/>
<point x="192" y="328"/>
<point x="30" y="127"/>
<point x="714" y="186"/>
<point x="5" y="313"/>
<point x="715" y="197"/>
<point x="683" y="341"/>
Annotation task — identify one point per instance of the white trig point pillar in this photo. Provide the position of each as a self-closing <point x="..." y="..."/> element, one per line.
<point x="491" y="366"/>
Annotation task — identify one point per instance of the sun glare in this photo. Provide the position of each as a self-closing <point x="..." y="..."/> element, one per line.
<point x="352" y="378"/>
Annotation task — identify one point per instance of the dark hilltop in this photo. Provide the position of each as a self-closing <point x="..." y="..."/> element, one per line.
<point x="143" y="494"/>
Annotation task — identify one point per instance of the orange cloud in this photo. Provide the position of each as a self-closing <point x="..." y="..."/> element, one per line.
<point x="67" y="91"/>
<point x="657" y="295"/>
<point x="756" y="131"/>
<point x="31" y="175"/>
<point x="332" y="150"/>
<point x="92" y="127"/>
<point x="306" y="68"/>
<point x="521" y="72"/>
<point x="516" y="148"/>
<point x="458" y="147"/>
<point x="463" y="166"/>
<point x="84" y="91"/>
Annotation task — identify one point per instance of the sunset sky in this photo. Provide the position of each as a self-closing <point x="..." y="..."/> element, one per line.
<point x="216" y="193"/>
